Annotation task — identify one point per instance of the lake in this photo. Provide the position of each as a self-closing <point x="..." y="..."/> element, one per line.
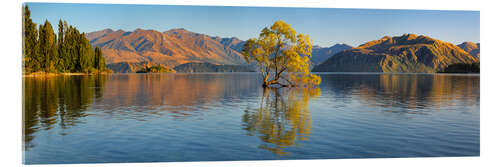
<point x="229" y="116"/>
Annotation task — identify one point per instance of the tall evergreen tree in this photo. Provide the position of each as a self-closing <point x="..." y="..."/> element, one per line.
<point x="61" y="48"/>
<point x="100" y="63"/>
<point x="30" y="42"/>
<point x="67" y="55"/>
<point x="86" y="54"/>
<point x="47" y="47"/>
<point x="68" y="51"/>
<point x="71" y="49"/>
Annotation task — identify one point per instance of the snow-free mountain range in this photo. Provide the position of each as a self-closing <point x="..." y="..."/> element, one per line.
<point x="129" y="51"/>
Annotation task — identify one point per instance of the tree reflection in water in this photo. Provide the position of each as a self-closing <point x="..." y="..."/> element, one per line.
<point x="281" y="119"/>
<point x="60" y="101"/>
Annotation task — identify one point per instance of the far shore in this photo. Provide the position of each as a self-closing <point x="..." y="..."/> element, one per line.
<point x="45" y="74"/>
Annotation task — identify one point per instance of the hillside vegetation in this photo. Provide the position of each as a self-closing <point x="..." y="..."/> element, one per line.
<point x="462" y="68"/>
<point x="156" y="69"/>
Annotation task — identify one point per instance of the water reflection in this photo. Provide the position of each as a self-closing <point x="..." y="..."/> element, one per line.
<point x="281" y="118"/>
<point x="406" y="93"/>
<point x="205" y="116"/>
<point x="177" y="95"/>
<point x="61" y="100"/>
<point x="48" y="101"/>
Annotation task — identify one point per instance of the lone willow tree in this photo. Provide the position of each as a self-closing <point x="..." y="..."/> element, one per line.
<point x="282" y="56"/>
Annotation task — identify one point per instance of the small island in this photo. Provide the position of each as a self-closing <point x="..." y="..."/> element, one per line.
<point x="156" y="69"/>
<point x="209" y="67"/>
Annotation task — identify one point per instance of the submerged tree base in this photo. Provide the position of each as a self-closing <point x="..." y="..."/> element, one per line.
<point x="278" y="85"/>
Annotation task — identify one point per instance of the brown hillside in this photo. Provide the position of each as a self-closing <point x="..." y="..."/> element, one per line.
<point x="170" y="48"/>
<point x="406" y="53"/>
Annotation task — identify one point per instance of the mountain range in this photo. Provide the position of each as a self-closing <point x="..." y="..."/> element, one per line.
<point x="169" y="48"/>
<point x="320" y="54"/>
<point x="470" y="47"/>
<point x="128" y="51"/>
<point x="406" y="53"/>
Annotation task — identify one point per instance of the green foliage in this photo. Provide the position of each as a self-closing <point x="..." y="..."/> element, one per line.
<point x="47" y="47"/>
<point x="462" y="68"/>
<point x="30" y="42"/>
<point x="282" y="56"/>
<point x="61" y="48"/>
<point x="85" y="54"/>
<point x="68" y="51"/>
<point x="155" y="69"/>
<point x="100" y="63"/>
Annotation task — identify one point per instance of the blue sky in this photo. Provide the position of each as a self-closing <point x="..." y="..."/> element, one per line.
<point x="326" y="26"/>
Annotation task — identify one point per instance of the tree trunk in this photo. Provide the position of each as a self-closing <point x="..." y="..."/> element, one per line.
<point x="265" y="84"/>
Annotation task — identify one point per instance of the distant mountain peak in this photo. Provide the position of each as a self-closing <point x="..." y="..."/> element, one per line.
<point x="144" y="30"/>
<point x="405" y="53"/>
<point x="98" y="34"/>
<point x="320" y="54"/>
<point x="120" y="31"/>
<point x="405" y="39"/>
<point x="179" y="30"/>
<point x="471" y="47"/>
<point x="182" y="31"/>
<point x="107" y="30"/>
<point x="170" y="48"/>
<point x="340" y="45"/>
<point x="410" y="36"/>
<point x="386" y="38"/>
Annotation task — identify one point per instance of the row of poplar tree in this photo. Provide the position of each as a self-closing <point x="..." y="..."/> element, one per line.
<point x="68" y="51"/>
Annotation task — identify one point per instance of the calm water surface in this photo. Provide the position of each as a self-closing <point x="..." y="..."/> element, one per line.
<point x="205" y="117"/>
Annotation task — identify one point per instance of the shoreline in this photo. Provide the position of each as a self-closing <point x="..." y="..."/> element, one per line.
<point x="44" y="74"/>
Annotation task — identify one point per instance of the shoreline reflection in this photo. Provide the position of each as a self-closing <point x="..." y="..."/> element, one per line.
<point x="61" y="101"/>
